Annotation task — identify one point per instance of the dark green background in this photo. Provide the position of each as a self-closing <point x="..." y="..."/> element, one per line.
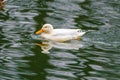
<point x="98" y="59"/>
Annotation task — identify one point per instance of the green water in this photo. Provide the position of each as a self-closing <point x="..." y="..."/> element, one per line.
<point x="95" y="57"/>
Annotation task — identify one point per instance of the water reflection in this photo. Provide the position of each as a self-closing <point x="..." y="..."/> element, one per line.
<point x="46" y="45"/>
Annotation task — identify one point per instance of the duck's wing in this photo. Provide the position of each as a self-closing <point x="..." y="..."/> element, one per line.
<point x="58" y="32"/>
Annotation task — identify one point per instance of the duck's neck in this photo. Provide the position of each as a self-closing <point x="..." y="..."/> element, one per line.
<point x="48" y="32"/>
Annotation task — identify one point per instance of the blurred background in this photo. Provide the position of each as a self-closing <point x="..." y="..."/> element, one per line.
<point x="97" y="59"/>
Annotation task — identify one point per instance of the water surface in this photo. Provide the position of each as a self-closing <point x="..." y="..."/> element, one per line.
<point x="95" y="57"/>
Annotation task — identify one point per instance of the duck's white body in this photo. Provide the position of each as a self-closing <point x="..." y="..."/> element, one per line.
<point x="62" y="34"/>
<point x="59" y="35"/>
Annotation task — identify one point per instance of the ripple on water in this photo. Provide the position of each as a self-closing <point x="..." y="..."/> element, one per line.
<point x="98" y="60"/>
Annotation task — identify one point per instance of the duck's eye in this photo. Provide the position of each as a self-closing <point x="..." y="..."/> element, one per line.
<point x="45" y="27"/>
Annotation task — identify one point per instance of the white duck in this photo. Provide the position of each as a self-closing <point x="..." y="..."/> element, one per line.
<point x="59" y="35"/>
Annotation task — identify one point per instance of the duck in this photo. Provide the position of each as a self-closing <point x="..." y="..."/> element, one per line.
<point x="59" y="35"/>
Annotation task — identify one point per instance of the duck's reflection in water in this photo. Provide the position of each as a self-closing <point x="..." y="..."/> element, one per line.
<point x="47" y="45"/>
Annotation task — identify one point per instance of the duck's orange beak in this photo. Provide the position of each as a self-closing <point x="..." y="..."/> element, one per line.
<point x="39" y="31"/>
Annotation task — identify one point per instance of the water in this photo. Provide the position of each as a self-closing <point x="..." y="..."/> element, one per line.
<point x="95" y="57"/>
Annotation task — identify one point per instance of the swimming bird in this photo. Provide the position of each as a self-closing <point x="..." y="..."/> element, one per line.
<point x="59" y="35"/>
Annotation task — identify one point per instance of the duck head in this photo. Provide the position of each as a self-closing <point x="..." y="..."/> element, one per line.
<point x="47" y="28"/>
